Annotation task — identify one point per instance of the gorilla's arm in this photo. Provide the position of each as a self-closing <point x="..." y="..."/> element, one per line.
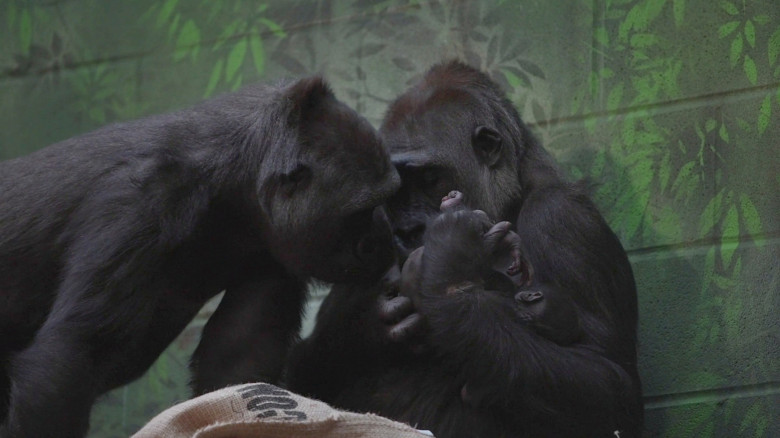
<point x="504" y="363"/>
<point x="507" y="366"/>
<point x="570" y="246"/>
<point x="253" y="318"/>
<point x="359" y="328"/>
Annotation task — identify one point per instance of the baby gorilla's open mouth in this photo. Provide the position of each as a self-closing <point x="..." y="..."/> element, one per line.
<point x="521" y="271"/>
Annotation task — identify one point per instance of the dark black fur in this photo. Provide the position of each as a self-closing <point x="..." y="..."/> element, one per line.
<point x="111" y="242"/>
<point x="486" y="374"/>
<point x="464" y="251"/>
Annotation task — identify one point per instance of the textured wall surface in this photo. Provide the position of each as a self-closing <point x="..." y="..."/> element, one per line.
<point x="671" y="106"/>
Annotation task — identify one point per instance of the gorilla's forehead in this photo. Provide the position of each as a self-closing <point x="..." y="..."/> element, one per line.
<point x="432" y="108"/>
<point x="440" y="131"/>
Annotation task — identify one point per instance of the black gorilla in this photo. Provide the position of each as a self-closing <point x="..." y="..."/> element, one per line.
<point x="111" y="242"/>
<point x="486" y="371"/>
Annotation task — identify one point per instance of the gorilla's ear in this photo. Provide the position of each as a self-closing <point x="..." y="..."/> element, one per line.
<point x="487" y="145"/>
<point x="306" y="95"/>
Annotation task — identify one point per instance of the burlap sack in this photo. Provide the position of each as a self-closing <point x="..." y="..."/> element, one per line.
<point x="263" y="410"/>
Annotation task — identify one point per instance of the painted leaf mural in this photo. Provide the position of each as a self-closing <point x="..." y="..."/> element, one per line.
<point x="669" y="108"/>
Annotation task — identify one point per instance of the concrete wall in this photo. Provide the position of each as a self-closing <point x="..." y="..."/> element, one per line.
<point x="670" y="105"/>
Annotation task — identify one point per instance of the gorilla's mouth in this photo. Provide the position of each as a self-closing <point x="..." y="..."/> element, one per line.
<point x="367" y="247"/>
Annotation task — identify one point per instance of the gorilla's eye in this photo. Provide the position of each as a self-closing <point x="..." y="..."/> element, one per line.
<point x="297" y="178"/>
<point x="299" y="174"/>
<point x="430" y="177"/>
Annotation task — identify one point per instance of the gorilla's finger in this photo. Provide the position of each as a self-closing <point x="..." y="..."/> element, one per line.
<point x="452" y="200"/>
<point x="395" y="308"/>
<point x="512" y="242"/>
<point x="407" y="328"/>
<point x="482" y="216"/>
<point x="494" y="237"/>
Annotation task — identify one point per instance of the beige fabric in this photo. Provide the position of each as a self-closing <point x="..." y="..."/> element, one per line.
<point x="263" y="410"/>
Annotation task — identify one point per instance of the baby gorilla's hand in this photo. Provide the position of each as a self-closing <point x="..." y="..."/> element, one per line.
<point x="500" y="240"/>
<point x="464" y="249"/>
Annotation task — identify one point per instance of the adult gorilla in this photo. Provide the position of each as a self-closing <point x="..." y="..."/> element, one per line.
<point x="484" y="373"/>
<point x="110" y="242"/>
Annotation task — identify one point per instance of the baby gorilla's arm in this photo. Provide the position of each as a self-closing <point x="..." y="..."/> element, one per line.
<point x="501" y="237"/>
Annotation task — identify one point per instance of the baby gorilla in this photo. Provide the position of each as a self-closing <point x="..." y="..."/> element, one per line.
<point x="466" y="250"/>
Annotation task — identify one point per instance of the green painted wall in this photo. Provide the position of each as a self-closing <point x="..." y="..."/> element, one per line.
<point x="671" y="105"/>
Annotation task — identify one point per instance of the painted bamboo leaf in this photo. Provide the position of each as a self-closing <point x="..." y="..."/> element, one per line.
<point x="599" y="162"/>
<point x="685" y="182"/>
<point x="601" y="36"/>
<point x="750" y="216"/>
<point x="667" y="224"/>
<point x="174" y="26"/>
<point x="678" y="8"/>
<point x="750" y="33"/>
<point x="25" y="31"/>
<point x="531" y="68"/>
<point x="97" y="114"/>
<point x="736" y="50"/>
<point x="721" y="281"/>
<point x="696" y="424"/>
<point x="491" y="50"/>
<point x="404" y="64"/>
<point x="752" y="414"/>
<point x="761" y="426"/>
<point x="274" y="27"/>
<point x="729" y="7"/>
<point x="636" y="215"/>
<point x="654" y="8"/>
<point x="630" y="22"/>
<point x="235" y="59"/>
<point x="188" y="41"/>
<point x="227" y="34"/>
<point x="750" y="69"/>
<point x="764" y="114"/>
<point x="237" y="83"/>
<point x="642" y="40"/>
<point x="723" y="133"/>
<point x="368" y="50"/>
<point x="730" y="231"/>
<point x="515" y="77"/>
<point x="711" y="214"/>
<point x="538" y="111"/>
<point x="216" y="74"/>
<point x="665" y="171"/>
<point x="762" y="19"/>
<point x="774" y="47"/>
<point x="615" y="97"/>
<point x="165" y="12"/>
<point x="258" y="53"/>
<point x="728" y="28"/>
